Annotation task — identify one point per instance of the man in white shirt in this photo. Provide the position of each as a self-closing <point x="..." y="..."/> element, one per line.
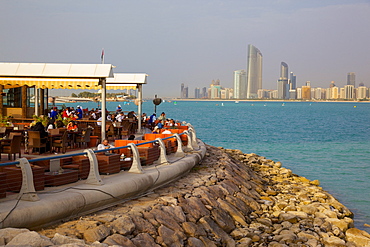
<point x="120" y="117"/>
<point x="104" y="145"/>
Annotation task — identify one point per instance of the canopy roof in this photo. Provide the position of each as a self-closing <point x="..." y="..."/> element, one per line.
<point x="128" y="80"/>
<point x="67" y="76"/>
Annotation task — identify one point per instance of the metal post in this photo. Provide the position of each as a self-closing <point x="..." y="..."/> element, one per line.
<point x="103" y="107"/>
<point x="139" y="107"/>
<point x="36" y="101"/>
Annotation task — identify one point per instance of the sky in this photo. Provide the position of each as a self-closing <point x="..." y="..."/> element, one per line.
<point x="193" y="42"/>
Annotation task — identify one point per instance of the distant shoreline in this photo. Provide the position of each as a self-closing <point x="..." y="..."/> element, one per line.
<point x="267" y="100"/>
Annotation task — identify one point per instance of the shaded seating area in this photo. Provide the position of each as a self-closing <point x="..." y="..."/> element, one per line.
<point x="37" y="143"/>
<point x="13" y="148"/>
<point x="84" y="139"/>
<point x="60" y="144"/>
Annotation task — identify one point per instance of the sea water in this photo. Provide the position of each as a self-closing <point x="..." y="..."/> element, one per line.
<point x="328" y="141"/>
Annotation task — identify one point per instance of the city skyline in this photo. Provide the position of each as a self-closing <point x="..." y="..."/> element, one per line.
<point x="192" y="42"/>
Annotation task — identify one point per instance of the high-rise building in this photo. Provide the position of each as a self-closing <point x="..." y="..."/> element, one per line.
<point x="240" y="83"/>
<point x="197" y="93"/>
<point x="351" y="79"/>
<point x="349" y="92"/>
<point x="293" y="81"/>
<point x="254" y="72"/>
<point x="182" y="90"/>
<point x="204" y="92"/>
<point x="282" y="85"/>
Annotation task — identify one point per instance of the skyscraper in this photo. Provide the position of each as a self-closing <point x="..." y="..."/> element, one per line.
<point x="351" y="79"/>
<point x="293" y="81"/>
<point x="240" y="84"/>
<point x="283" y="90"/>
<point x="182" y="90"/>
<point x="254" y="72"/>
<point x="197" y="93"/>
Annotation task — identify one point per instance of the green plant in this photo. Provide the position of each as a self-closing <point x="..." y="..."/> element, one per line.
<point x="4" y="120"/>
<point x="65" y="121"/>
<point x="42" y="118"/>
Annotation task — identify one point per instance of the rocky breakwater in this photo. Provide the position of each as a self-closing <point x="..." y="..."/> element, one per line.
<point x="231" y="199"/>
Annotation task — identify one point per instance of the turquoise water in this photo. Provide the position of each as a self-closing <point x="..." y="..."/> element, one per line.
<point x="325" y="141"/>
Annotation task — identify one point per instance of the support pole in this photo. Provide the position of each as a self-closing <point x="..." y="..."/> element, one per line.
<point x="103" y="107"/>
<point x="36" y="101"/>
<point x="139" y="106"/>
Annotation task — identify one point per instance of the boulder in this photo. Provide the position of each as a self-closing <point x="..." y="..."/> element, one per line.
<point x="30" y="239"/>
<point x="60" y="239"/>
<point x="144" y="240"/>
<point x="358" y="237"/>
<point x="117" y="239"/>
<point x="223" y="219"/>
<point x="193" y="230"/>
<point x="7" y="234"/>
<point x="168" y="237"/>
<point x="123" y="225"/>
<point x="210" y="226"/>
<point x="334" y="242"/>
<point x="96" y="234"/>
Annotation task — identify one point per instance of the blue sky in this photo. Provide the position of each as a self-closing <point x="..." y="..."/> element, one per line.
<point x="193" y="42"/>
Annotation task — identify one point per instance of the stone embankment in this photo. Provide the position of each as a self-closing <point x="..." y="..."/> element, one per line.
<point x="231" y="199"/>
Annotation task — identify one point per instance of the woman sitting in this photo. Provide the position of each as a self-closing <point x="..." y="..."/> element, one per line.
<point x="72" y="126"/>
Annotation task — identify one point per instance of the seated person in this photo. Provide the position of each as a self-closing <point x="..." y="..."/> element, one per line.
<point x="72" y="126"/>
<point x="167" y="131"/>
<point x="105" y="145"/>
<point x="155" y="130"/>
<point x="131" y="137"/>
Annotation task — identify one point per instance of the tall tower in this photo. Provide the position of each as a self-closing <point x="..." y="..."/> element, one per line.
<point x="351" y="79"/>
<point x="240" y="87"/>
<point x="293" y="81"/>
<point x="182" y="90"/>
<point x="254" y="72"/>
<point x="282" y="87"/>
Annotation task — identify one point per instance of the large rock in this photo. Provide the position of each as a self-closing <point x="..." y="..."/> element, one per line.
<point x="237" y="216"/>
<point x="143" y="226"/>
<point x="60" y="239"/>
<point x="292" y="218"/>
<point x="168" y="237"/>
<point x="223" y="219"/>
<point x="7" y="234"/>
<point x="194" y="242"/>
<point x="334" y="242"/>
<point x="96" y="234"/>
<point x="194" y="208"/>
<point x="210" y="226"/>
<point x="117" y="239"/>
<point x="193" y="230"/>
<point x="144" y="240"/>
<point x="358" y="237"/>
<point x="30" y="239"/>
<point x="123" y="225"/>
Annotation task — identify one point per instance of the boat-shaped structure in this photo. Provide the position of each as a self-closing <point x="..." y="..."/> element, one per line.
<point x="32" y="209"/>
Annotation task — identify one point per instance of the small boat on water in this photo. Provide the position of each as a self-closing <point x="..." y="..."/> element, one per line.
<point x="236" y="101"/>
